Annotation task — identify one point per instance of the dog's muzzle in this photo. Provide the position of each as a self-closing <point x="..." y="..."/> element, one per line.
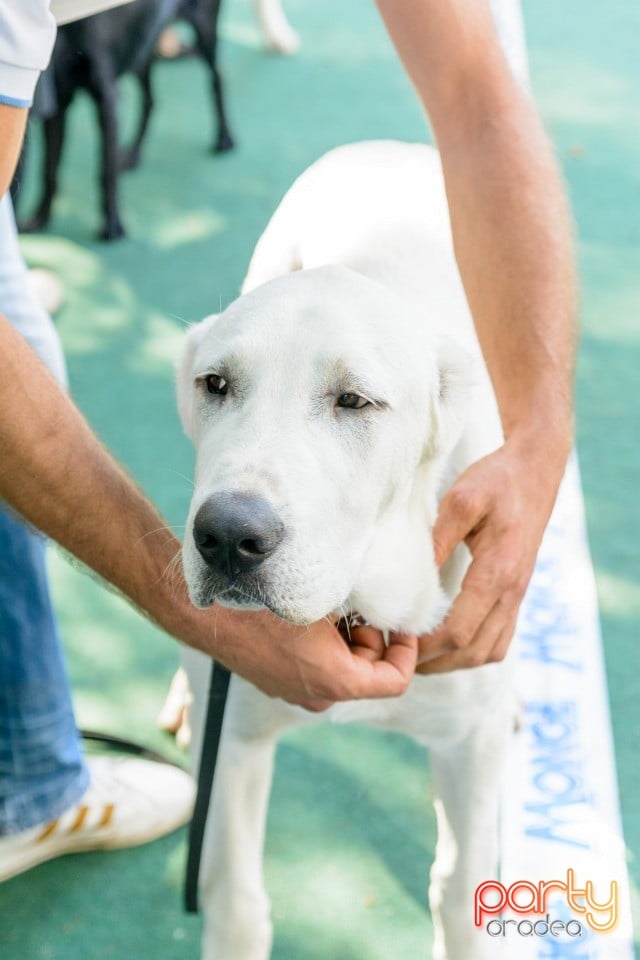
<point x="236" y="532"/>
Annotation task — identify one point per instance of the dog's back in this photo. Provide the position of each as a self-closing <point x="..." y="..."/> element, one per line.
<point x="377" y="206"/>
<point x="123" y="38"/>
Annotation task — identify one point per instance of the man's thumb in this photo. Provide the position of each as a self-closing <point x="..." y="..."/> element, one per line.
<point x="457" y="516"/>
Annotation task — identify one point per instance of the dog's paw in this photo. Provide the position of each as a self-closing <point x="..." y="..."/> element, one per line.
<point x="286" y="41"/>
<point x="112" y="230"/>
<point x="224" y="142"/>
<point x="128" y="159"/>
<point x="35" y="224"/>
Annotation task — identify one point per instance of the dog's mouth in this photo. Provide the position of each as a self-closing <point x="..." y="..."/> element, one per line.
<point x="236" y="595"/>
<point x="242" y="595"/>
<point x="239" y="595"/>
<point x="230" y="594"/>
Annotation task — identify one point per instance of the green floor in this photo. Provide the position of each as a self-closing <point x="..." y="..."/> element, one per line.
<point x="347" y="855"/>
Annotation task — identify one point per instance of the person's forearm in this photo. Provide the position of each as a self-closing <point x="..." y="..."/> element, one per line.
<point x="512" y="243"/>
<point x="56" y="474"/>
<point x="508" y="212"/>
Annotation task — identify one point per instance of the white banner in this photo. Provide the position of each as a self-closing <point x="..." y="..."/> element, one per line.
<point x="561" y="818"/>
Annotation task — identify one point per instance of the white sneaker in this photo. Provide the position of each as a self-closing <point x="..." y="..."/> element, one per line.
<point x="129" y="801"/>
<point x="47" y="288"/>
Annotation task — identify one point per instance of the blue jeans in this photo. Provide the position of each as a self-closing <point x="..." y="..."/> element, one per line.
<point x="42" y="771"/>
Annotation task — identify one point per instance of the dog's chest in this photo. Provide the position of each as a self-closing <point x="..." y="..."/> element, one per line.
<point x="435" y="710"/>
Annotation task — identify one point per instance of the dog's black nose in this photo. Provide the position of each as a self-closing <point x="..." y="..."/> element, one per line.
<point x="235" y="532"/>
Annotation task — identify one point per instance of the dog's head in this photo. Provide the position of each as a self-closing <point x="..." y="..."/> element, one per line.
<point x="321" y="410"/>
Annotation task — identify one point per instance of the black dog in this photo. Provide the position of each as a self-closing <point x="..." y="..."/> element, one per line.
<point x="92" y="53"/>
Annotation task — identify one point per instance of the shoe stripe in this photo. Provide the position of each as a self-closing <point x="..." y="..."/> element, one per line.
<point x="107" y="815"/>
<point x="48" y="830"/>
<point x="79" y="820"/>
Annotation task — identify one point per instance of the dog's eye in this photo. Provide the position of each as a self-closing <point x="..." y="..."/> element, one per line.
<point x="352" y="401"/>
<point x="216" y="384"/>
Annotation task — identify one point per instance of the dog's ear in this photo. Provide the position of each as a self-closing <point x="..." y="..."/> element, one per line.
<point x="450" y="400"/>
<point x="184" y="371"/>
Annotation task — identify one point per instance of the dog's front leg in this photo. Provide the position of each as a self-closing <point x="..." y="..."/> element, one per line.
<point x="129" y="158"/>
<point x="467" y="782"/>
<point x="204" y="19"/>
<point x="237" y="924"/>
<point x="54" y="128"/>
<point x="103" y="89"/>
<point x="278" y="32"/>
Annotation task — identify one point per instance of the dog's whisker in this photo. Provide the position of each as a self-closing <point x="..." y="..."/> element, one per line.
<point x="183" y="476"/>
<point x="168" y="528"/>
<point x="169" y="572"/>
<point x="182" y="320"/>
<point x="342" y="610"/>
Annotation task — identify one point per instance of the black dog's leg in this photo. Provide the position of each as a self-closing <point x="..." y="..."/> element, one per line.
<point x="54" y="127"/>
<point x="103" y="89"/>
<point x="224" y="140"/>
<point x="18" y="174"/>
<point x="205" y="24"/>
<point x="130" y="158"/>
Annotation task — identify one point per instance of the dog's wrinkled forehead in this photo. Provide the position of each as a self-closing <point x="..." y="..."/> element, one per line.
<point x="330" y="323"/>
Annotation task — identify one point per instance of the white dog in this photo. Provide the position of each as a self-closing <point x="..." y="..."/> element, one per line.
<point x="277" y="31"/>
<point x="331" y="406"/>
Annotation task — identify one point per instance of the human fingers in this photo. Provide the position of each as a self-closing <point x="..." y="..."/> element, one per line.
<point x="490" y="644"/>
<point x="470" y="608"/>
<point x="461" y="511"/>
<point x="331" y="670"/>
<point x="501" y="646"/>
<point x="385" y="675"/>
<point x="369" y="643"/>
<point x="314" y="706"/>
<point x="366" y="642"/>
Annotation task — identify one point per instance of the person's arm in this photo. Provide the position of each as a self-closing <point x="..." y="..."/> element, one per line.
<point x="54" y="471"/>
<point x="513" y="246"/>
<point x="56" y="474"/>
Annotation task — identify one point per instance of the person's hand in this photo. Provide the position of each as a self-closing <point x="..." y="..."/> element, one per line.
<point x="499" y="507"/>
<point x="312" y="666"/>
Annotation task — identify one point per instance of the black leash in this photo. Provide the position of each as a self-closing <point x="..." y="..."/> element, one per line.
<point x="218" y="689"/>
<point x="127" y="746"/>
